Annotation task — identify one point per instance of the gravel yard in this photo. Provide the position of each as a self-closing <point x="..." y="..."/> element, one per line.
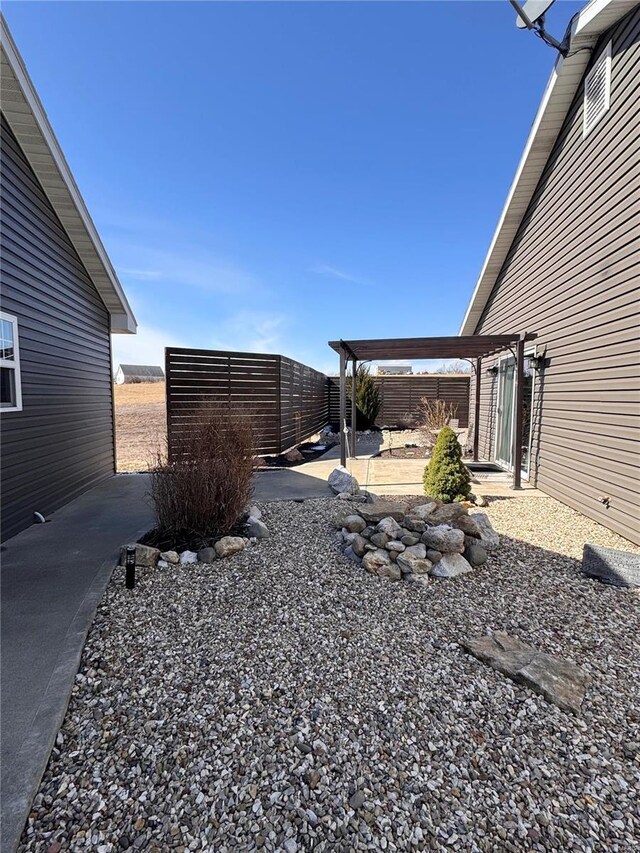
<point x="285" y="699"/>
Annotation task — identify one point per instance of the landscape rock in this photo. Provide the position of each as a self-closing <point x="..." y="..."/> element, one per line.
<point x="380" y="539"/>
<point x="391" y="571"/>
<point x="445" y="539"/>
<point x="351" y="555"/>
<point x="375" y="512"/>
<point x="423" y="511"/>
<point x="163" y="564"/>
<point x="206" y="555"/>
<point x="254" y="512"/>
<point x="450" y="566"/>
<point x="467" y="525"/>
<point x="414" y="565"/>
<point x="488" y="536"/>
<point x="373" y="561"/>
<point x="368" y="532"/>
<point x="340" y="481"/>
<point x="559" y="681"/>
<point x="611" y="565"/>
<point x="414" y="525"/>
<point x="145" y="555"/>
<point x="294" y="455"/>
<point x="359" y="545"/>
<point x="355" y="523"/>
<point x="394" y="545"/>
<point x="480" y="500"/>
<point x="170" y="556"/>
<point x="474" y="553"/>
<point x="448" y="514"/>
<point x="256" y="528"/>
<point x="389" y="526"/>
<point x="188" y="557"/>
<point x="229" y="545"/>
<point x="409" y="539"/>
<point x="433" y="555"/>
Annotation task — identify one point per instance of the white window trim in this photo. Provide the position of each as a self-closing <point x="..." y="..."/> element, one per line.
<point x="606" y="54"/>
<point x="13" y="364"/>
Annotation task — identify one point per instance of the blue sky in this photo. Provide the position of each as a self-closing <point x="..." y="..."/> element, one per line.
<point x="269" y="176"/>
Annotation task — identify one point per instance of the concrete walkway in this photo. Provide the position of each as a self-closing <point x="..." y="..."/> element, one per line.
<point x="53" y="576"/>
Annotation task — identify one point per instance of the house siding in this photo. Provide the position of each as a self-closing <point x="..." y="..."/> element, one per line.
<point x="572" y="275"/>
<point x="61" y="443"/>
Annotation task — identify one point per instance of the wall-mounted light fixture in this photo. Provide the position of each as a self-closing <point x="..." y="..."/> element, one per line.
<point x="492" y="371"/>
<point x="537" y="362"/>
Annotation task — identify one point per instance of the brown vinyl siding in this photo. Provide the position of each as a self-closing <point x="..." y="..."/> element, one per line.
<point x="61" y="443"/>
<point x="572" y="276"/>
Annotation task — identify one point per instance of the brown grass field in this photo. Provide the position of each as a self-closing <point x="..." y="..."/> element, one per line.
<point x="141" y="426"/>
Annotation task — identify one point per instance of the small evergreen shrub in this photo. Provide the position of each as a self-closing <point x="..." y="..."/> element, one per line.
<point x="367" y="398"/>
<point x="446" y="477"/>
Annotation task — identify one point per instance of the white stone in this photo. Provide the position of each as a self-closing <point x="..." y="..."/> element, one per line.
<point x="256" y="529"/>
<point x="170" y="556"/>
<point x="188" y="557"/>
<point x="254" y="512"/>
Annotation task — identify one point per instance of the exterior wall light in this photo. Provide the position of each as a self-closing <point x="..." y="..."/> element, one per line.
<point x="492" y="371"/>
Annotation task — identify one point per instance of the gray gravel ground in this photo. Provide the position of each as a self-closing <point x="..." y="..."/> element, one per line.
<point x="285" y="699"/>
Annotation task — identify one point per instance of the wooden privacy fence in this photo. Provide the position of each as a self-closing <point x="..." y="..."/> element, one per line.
<point x="401" y="397"/>
<point x="286" y="401"/>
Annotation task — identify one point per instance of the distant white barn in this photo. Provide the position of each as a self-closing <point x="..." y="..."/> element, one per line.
<point x="127" y="373"/>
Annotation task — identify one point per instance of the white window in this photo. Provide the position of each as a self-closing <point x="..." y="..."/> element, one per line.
<point x="10" y="390"/>
<point x="597" y="91"/>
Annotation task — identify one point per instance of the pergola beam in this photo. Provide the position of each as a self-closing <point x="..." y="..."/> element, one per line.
<point x="518" y="419"/>
<point x="343" y="406"/>
<point x="476" y="411"/>
<point x="353" y="409"/>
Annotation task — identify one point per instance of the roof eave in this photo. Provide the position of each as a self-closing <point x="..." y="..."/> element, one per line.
<point x="28" y="120"/>
<point x="587" y="27"/>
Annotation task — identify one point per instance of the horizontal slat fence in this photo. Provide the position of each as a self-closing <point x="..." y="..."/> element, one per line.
<point x="401" y="397"/>
<point x="287" y="401"/>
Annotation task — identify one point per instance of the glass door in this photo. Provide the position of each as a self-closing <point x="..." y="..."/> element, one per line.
<point x="504" y="431"/>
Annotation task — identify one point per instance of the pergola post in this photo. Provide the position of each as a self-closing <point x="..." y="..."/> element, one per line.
<point x="343" y="407"/>
<point x="518" y="419"/>
<point x="354" y="411"/>
<point x="476" y="411"/>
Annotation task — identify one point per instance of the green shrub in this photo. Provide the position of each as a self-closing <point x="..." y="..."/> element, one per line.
<point x="367" y="398"/>
<point x="446" y="477"/>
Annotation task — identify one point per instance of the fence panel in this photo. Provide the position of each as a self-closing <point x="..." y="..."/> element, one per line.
<point x="287" y="401"/>
<point x="401" y="396"/>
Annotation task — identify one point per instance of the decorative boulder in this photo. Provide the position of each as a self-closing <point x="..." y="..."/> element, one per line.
<point x="488" y="536"/>
<point x="254" y="512"/>
<point x="409" y="539"/>
<point x="206" y="555"/>
<point x="170" y="556"/>
<point x="355" y="524"/>
<point x="375" y="512"/>
<point x="410" y="564"/>
<point x="294" y="455"/>
<point x="340" y="480"/>
<point x="416" y="525"/>
<point x="373" y="561"/>
<point x="448" y="514"/>
<point x="359" y="545"/>
<point x="380" y="539"/>
<point x="467" y="525"/>
<point x="392" y="571"/>
<point x="395" y="545"/>
<point x="450" y="566"/>
<point x="433" y="555"/>
<point x="389" y="526"/>
<point x="256" y="528"/>
<point x="445" y="539"/>
<point x="424" y="510"/>
<point x="229" y="545"/>
<point x="474" y="553"/>
<point x="351" y="555"/>
<point x="145" y="555"/>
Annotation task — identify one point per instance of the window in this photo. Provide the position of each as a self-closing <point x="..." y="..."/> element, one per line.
<point x="10" y="390"/>
<point x="597" y="91"/>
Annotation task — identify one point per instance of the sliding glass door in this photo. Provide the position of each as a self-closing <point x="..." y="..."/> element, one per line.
<point x="506" y="413"/>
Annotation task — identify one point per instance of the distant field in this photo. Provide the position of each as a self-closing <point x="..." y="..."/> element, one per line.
<point x="141" y="426"/>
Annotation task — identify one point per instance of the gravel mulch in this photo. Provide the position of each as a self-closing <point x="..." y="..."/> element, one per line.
<point x="284" y="699"/>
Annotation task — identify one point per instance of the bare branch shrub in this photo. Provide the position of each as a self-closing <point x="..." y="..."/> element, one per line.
<point x="202" y="492"/>
<point x="432" y="416"/>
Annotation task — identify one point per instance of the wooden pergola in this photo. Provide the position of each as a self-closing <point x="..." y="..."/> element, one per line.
<point x="471" y="348"/>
